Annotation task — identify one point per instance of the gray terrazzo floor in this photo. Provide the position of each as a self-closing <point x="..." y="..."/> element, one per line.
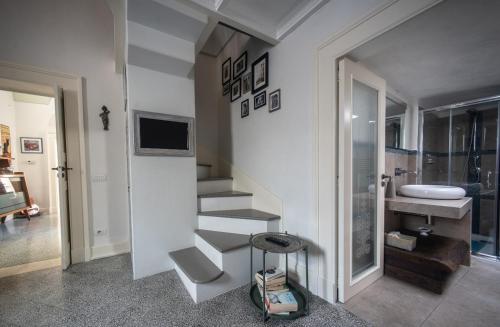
<point x="102" y="293"/>
<point x="23" y="241"/>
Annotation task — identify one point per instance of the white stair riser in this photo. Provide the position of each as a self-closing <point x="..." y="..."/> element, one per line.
<point x="224" y="203"/>
<point x="202" y="172"/>
<point x="238" y="226"/>
<point x="221" y="185"/>
<point x="209" y="251"/>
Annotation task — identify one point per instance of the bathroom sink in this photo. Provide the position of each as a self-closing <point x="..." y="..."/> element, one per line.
<point x="438" y="192"/>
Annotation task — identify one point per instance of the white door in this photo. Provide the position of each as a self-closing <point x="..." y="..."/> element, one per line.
<point x="361" y="166"/>
<point x="62" y="178"/>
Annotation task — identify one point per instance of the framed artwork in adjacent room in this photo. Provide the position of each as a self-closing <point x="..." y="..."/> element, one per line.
<point x="236" y="90"/>
<point x="240" y="65"/>
<point x="246" y="83"/>
<point x="260" y="73"/>
<point x="226" y="71"/>
<point x="245" y="108"/>
<point x="226" y="88"/>
<point x="259" y="100"/>
<point x="275" y="100"/>
<point x="31" y="145"/>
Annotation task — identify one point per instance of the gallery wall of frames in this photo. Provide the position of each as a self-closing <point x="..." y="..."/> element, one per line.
<point x="238" y="80"/>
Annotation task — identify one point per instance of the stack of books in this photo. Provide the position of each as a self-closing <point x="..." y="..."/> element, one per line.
<point x="278" y="299"/>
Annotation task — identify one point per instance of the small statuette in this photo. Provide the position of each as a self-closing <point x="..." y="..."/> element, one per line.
<point x="105" y="117"/>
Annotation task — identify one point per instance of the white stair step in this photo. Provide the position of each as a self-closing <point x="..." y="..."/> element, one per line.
<point x="241" y="221"/>
<point x="224" y="201"/>
<point x="203" y="170"/>
<point x="214" y="185"/>
<point x="199" y="275"/>
<point x="231" y="253"/>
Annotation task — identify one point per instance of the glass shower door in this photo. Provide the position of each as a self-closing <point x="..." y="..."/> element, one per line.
<point x="460" y="147"/>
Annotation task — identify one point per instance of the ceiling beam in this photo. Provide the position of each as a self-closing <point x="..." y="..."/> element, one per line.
<point x="297" y="17"/>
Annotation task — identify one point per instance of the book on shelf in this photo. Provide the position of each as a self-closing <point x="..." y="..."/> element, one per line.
<point x="279" y="302"/>
<point x="271" y="274"/>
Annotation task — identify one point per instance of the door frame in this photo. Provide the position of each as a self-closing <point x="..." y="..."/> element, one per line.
<point x="325" y="128"/>
<point x="23" y="78"/>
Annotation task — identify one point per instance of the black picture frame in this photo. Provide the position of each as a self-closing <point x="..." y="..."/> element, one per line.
<point x="245" y="108"/>
<point x="226" y="88"/>
<point x="243" y="61"/>
<point x="273" y="106"/>
<point x="246" y="83"/>
<point x="226" y="65"/>
<point x="236" y="85"/>
<point x="259" y="100"/>
<point x="260" y="79"/>
<point x="35" y="140"/>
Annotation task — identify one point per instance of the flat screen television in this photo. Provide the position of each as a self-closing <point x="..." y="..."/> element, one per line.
<point x="158" y="134"/>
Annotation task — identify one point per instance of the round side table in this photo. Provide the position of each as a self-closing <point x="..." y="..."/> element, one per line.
<point x="294" y="244"/>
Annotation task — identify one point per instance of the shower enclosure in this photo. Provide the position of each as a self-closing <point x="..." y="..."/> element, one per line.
<point x="459" y="145"/>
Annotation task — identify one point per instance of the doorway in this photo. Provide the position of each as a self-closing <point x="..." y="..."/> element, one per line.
<point x="33" y="205"/>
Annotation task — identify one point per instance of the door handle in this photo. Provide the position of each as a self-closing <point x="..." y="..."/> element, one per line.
<point x="385" y="179"/>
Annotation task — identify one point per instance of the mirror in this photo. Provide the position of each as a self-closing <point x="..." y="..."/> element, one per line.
<point x="396" y="133"/>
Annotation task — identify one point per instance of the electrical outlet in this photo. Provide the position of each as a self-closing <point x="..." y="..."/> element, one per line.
<point x="99" y="178"/>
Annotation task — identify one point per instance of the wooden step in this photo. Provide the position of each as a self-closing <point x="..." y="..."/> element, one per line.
<point x="224" y="242"/>
<point x="209" y="179"/>
<point x="196" y="266"/>
<point x="226" y="194"/>
<point x="241" y="214"/>
<point x="214" y="185"/>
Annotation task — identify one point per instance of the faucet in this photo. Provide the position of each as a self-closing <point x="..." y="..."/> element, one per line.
<point x="400" y="171"/>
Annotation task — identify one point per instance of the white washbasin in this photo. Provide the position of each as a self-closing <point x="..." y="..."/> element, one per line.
<point x="438" y="192"/>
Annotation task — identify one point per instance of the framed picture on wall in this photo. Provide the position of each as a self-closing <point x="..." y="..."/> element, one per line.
<point x="259" y="100"/>
<point x="226" y="71"/>
<point x="240" y="65"/>
<point x="246" y="83"/>
<point x="226" y="88"/>
<point x="245" y="108"/>
<point x="260" y="73"/>
<point x="31" y="145"/>
<point x="275" y="100"/>
<point x="236" y="90"/>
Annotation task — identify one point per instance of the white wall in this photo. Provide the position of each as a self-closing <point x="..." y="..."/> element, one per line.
<point x="162" y="189"/>
<point x="77" y="39"/>
<point x="34" y="120"/>
<point x="207" y="144"/>
<point x="8" y="117"/>
<point x="276" y="149"/>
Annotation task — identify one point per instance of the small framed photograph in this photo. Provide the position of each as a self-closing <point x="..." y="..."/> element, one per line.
<point x="31" y="145"/>
<point x="226" y="71"/>
<point x="275" y="100"/>
<point x="259" y="100"/>
<point x="236" y="90"/>
<point x="226" y="88"/>
<point x="246" y="83"/>
<point x="260" y="73"/>
<point x="245" y="108"/>
<point x="240" y="65"/>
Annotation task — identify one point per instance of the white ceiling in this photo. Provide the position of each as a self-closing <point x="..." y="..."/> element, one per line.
<point x="447" y="54"/>
<point x="31" y="98"/>
<point x="268" y="20"/>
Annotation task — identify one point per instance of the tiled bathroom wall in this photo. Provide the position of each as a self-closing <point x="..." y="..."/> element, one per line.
<point x="404" y="159"/>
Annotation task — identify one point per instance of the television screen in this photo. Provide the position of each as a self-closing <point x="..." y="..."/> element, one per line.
<point x="164" y="134"/>
<point x="157" y="134"/>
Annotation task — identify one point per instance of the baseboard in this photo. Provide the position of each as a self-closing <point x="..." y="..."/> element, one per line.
<point x="104" y="251"/>
<point x="77" y="255"/>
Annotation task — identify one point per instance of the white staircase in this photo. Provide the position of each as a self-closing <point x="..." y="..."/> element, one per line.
<point x="220" y="260"/>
